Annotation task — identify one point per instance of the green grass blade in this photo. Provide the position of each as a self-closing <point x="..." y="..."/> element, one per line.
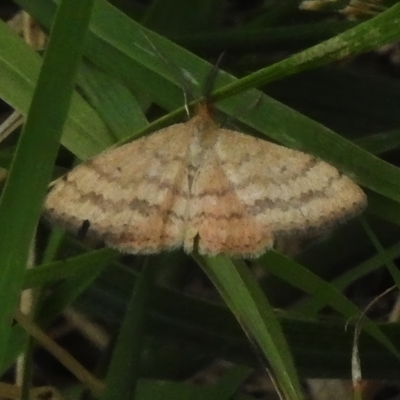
<point x="57" y="270"/>
<point x="248" y="303"/>
<point x="380" y="142"/>
<point x="380" y="249"/>
<point x="311" y="305"/>
<point x="364" y="37"/>
<point x="85" y="133"/>
<point x="68" y="291"/>
<point x="114" y="102"/>
<point x="89" y="267"/>
<point x="383" y="207"/>
<point x="304" y="279"/>
<point x="56" y="237"/>
<point x="21" y="201"/>
<point x="124" y="369"/>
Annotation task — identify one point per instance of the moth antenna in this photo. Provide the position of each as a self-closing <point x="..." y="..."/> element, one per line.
<point x="211" y="78"/>
<point x="176" y="72"/>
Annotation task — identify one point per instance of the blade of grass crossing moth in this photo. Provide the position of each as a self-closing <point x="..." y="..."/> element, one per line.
<point x="248" y="303"/>
<point x="21" y="201"/>
<point x="124" y="369"/>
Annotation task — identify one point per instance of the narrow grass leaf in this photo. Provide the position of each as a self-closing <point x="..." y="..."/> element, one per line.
<point x="85" y="269"/>
<point x="380" y="142"/>
<point x="311" y="305"/>
<point x="248" y="303"/>
<point x="68" y="291"/>
<point x="21" y="201"/>
<point x="85" y="133"/>
<point x="364" y="37"/>
<point x="304" y="279"/>
<point x="388" y="261"/>
<point x="115" y="103"/>
<point x="55" y="238"/>
<point x="93" y="261"/>
<point x="383" y="207"/>
<point x="124" y="369"/>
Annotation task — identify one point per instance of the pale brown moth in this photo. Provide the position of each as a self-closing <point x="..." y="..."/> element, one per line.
<point x="198" y="186"/>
